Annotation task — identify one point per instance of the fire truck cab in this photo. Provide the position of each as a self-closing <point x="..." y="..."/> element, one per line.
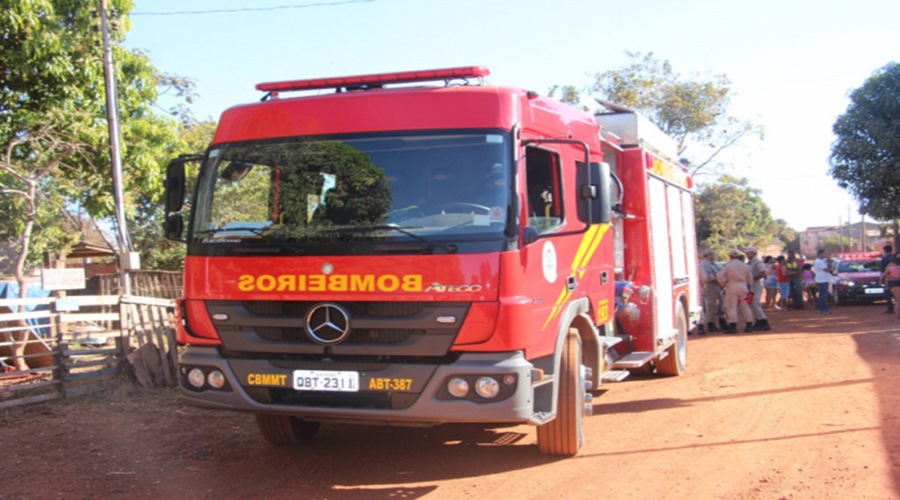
<point x="420" y="248"/>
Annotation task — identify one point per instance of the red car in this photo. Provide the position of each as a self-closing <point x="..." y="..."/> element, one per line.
<point x="857" y="278"/>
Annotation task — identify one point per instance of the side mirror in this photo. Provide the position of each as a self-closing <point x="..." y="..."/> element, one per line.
<point x="601" y="205"/>
<point x="174" y="227"/>
<point x="529" y="235"/>
<point x="594" y="195"/>
<point x="175" y="185"/>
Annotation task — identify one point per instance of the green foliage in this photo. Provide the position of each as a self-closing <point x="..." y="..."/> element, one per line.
<point x="694" y="112"/>
<point x="52" y="80"/>
<point x="156" y="251"/>
<point x="865" y="158"/>
<point x="681" y="108"/>
<point x="787" y="235"/>
<point x="318" y="183"/>
<point x="731" y="214"/>
<point x="568" y="94"/>
<point x="837" y="243"/>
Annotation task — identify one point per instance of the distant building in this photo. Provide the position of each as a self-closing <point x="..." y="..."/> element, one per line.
<point x="866" y="237"/>
<point x="93" y="251"/>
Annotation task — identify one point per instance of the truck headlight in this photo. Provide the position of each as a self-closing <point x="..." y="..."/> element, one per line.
<point x="196" y="378"/>
<point x="458" y="387"/>
<point x="216" y="379"/>
<point x="487" y="387"/>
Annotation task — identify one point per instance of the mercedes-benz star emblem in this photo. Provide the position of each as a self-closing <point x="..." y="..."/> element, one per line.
<point x="327" y="323"/>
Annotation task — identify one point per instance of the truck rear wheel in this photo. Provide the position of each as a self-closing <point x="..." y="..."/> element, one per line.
<point x="676" y="354"/>
<point x="285" y="430"/>
<point x="563" y="435"/>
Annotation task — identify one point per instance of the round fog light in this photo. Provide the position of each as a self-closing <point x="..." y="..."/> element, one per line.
<point x="458" y="387"/>
<point x="509" y="379"/>
<point x="216" y="379"/>
<point x="196" y="378"/>
<point x="487" y="387"/>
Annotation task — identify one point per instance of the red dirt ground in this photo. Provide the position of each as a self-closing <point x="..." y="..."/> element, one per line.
<point x="807" y="411"/>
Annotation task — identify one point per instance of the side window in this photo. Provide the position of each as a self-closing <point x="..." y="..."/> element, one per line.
<point x="544" y="184"/>
<point x="611" y="157"/>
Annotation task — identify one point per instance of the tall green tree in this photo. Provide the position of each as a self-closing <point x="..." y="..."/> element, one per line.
<point x="51" y="79"/>
<point x="732" y="214"/>
<point x="694" y="112"/>
<point x="53" y="127"/>
<point x="146" y="228"/>
<point x="865" y="157"/>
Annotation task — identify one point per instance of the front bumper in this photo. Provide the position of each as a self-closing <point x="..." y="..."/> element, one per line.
<point x="265" y="386"/>
<point x="860" y="291"/>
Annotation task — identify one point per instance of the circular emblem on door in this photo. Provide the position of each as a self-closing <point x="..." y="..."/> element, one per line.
<point x="327" y="323"/>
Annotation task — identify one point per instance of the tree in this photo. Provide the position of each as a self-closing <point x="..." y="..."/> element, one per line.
<point x="52" y="80"/>
<point x="731" y="214"/>
<point x="568" y="94"/>
<point x="693" y="112"/>
<point x="146" y="228"/>
<point x="27" y="161"/>
<point x="865" y="157"/>
<point x="788" y="236"/>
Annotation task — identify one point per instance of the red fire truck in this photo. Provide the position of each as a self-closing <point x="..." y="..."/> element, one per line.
<point x="421" y="248"/>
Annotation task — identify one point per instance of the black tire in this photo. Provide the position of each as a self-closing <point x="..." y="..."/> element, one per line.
<point x="676" y="358"/>
<point x="564" y="435"/>
<point x="285" y="430"/>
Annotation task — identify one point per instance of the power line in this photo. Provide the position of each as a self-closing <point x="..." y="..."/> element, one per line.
<point x="249" y="9"/>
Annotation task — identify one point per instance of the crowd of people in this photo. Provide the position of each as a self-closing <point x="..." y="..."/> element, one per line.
<point x="732" y="293"/>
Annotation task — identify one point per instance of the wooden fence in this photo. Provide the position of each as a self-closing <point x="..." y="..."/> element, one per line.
<point x="74" y="344"/>
<point x="159" y="284"/>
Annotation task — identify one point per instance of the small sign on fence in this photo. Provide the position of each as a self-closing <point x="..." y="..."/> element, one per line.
<point x="62" y="279"/>
<point x="65" y="304"/>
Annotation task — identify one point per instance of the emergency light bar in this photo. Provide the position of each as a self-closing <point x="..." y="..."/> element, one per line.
<point x="376" y="79"/>
<point x="858" y="255"/>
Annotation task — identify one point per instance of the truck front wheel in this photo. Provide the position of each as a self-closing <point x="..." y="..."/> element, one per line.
<point x="563" y="435"/>
<point x="285" y="430"/>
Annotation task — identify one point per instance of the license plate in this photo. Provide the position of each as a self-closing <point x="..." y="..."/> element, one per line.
<point x="874" y="291"/>
<point x="314" y="380"/>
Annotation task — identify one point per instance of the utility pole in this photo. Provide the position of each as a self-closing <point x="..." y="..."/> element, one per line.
<point x="126" y="259"/>
<point x="841" y="232"/>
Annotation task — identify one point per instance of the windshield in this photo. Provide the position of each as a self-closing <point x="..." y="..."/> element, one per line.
<point x="422" y="188"/>
<point x="859" y="266"/>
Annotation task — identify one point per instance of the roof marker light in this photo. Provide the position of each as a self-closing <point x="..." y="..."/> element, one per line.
<point x="376" y="79"/>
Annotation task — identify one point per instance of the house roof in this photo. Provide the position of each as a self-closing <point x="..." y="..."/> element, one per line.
<point x="85" y="250"/>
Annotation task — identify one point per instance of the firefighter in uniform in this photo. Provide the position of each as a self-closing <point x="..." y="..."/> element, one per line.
<point x="736" y="278"/>
<point x="758" y="270"/>
<point x="712" y="292"/>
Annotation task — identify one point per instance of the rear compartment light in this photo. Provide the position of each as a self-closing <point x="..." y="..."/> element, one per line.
<point x="376" y="79"/>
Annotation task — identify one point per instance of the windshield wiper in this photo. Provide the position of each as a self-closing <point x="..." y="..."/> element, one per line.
<point x="270" y="248"/>
<point x="430" y="244"/>
<point x="257" y="231"/>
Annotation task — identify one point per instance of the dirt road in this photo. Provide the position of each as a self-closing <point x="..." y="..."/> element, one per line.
<point x="807" y="411"/>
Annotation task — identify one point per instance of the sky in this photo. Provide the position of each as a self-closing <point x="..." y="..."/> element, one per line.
<point x="791" y="63"/>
